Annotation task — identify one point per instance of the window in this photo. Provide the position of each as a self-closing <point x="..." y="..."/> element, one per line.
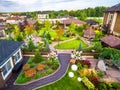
<point x="6" y="68"/>
<point x="17" y="57"/>
<point x="110" y="18"/>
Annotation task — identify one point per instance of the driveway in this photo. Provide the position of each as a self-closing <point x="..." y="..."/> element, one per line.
<point x="64" y="63"/>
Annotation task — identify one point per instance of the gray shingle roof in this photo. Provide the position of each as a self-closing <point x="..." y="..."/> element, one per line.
<point x="115" y="8"/>
<point x="7" y="49"/>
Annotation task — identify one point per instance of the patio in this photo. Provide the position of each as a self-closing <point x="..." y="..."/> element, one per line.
<point x="111" y="72"/>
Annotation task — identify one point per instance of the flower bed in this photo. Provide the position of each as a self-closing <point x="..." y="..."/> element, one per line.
<point x="38" y="67"/>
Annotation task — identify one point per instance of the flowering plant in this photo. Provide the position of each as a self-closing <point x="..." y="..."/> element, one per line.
<point x="52" y="56"/>
<point x="76" y="55"/>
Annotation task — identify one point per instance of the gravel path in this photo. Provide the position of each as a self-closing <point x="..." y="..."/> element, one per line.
<point x="64" y="62"/>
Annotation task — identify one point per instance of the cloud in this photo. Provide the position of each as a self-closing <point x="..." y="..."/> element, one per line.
<point x="33" y="5"/>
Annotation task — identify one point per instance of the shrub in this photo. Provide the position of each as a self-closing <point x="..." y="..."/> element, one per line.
<point x="94" y="80"/>
<point x="46" y="67"/>
<point x="100" y="73"/>
<point x="116" y="85"/>
<point x="40" y="67"/>
<point x="32" y="65"/>
<point x="88" y="84"/>
<point x="38" y="58"/>
<point x="22" y="79"/>
<point x="79" y="66"/>
<point x="30" y="73"/>
<point x="36" y="76"/>
<point x="26" y="67"/>
<point x="83" y="62"/>
<point x="31" y="45"/>
<point x="55" y="64"/>
<point x="44" y="62"/>
<point x="49" y="62"/>
<point x="102" y="86"/>
<point x="49" y="71"/>
<point x="30" y="61"/>
<point x="43" y="74"/>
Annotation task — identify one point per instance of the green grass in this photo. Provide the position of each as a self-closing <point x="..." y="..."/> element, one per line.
<point x="66" y="83"/>
<point x="74" y="44"/>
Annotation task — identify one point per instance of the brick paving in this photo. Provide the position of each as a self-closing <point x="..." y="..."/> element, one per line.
<point x="64" y="63"/>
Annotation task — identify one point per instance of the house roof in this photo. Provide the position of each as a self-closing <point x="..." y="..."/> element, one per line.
<point x="7" y="49"/>
<point x="65" y="16"/>
<point x="1" y="20"/>
<point x="91" y="22"/>
<point x="89" y="31"/>
<point x="14" y="18"/>
<point x="115" y="8"/>
<point x="110" y="40"/>
<point x="70" y="20"/>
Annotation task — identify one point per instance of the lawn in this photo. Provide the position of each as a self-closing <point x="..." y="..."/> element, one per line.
<point x="66" y="83"/>
<point x="74" y="44"/>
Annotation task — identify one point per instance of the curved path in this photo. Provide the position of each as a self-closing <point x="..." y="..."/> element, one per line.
<point x="64" y="63"/>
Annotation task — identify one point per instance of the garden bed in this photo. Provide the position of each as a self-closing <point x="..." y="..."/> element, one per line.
<point x="37" y="68"/>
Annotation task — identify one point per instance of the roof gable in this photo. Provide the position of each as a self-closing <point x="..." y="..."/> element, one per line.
<point x="7" y="49"/>
<point x="115" y="8"/>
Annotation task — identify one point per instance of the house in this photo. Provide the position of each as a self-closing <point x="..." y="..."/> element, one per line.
<point x="111" y="23"/>
<point x="10" y="55"/>
<point x="89" y="33"/>
<point x="111" y="41"/>
<point x="77" y="22"/>
<point x="3" y="16"/>
<point x="2" y="31"/>
<point x="2" y="22"/>
<point x="93" y="23"/>
<point x="42" y="16"/>
<point x="13" y="20"/>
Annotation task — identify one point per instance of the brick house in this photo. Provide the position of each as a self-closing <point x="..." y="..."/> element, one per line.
<point x="10" y="55"/>
<point x="111" y="23"/>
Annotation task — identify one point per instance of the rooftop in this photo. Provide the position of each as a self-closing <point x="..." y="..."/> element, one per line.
<point x="115" y="8"/>
<point x="91" y="22"/>
<point x="89" y="31"/>
<point x="110" y="40"/>
<point x="70" y="20"/>
<point x="7" y="49"/>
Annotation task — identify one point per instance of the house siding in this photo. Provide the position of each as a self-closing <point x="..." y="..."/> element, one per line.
<point x="117" y="24"/>
<point x="105" y="18"/>
<point x="2" y="81"/>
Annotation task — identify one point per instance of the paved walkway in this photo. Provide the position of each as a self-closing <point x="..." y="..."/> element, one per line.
<point x="64" y="63"/>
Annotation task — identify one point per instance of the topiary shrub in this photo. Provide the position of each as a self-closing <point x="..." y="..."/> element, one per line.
<point x="40" y="67"/>
<point x="55" y="64"/>
<point x="30" y="73"/>
<point x="38" y="58"/>
<point x="43" y="74"/>
<point x="46" y="66"/>
<point x="30" y="61"/>
<point x="49" y="71"/>
<point x="36" y="76"/>
<point x="26" y="67"/>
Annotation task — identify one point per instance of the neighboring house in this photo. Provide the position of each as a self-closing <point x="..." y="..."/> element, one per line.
<point x="3" y="16"/>
<point x="72" y="20"/>
<point x="10" y="55"/>
<point x="2" y="22"/>
<point x="13" y="20"/>
<point x="42" y="16"/>
<point x="89" y="33"/>
<point x="111" y="23"/>
<point x="111" y="41"/>
<point x="93" y="24"/>
<point x="2" y="31"/>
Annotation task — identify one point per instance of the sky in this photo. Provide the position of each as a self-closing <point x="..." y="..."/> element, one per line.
<point x="42" y="5"/>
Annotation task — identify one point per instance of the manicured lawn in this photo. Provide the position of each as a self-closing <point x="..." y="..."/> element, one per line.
<point x="66" y="83"/>
<point x="74" y="44"/>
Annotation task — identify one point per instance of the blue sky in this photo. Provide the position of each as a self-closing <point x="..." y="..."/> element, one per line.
<point x="36" y="5"/>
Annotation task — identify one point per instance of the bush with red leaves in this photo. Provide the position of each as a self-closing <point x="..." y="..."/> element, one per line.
<point x="94" y="80"/>
<point x="83" y="62"/>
